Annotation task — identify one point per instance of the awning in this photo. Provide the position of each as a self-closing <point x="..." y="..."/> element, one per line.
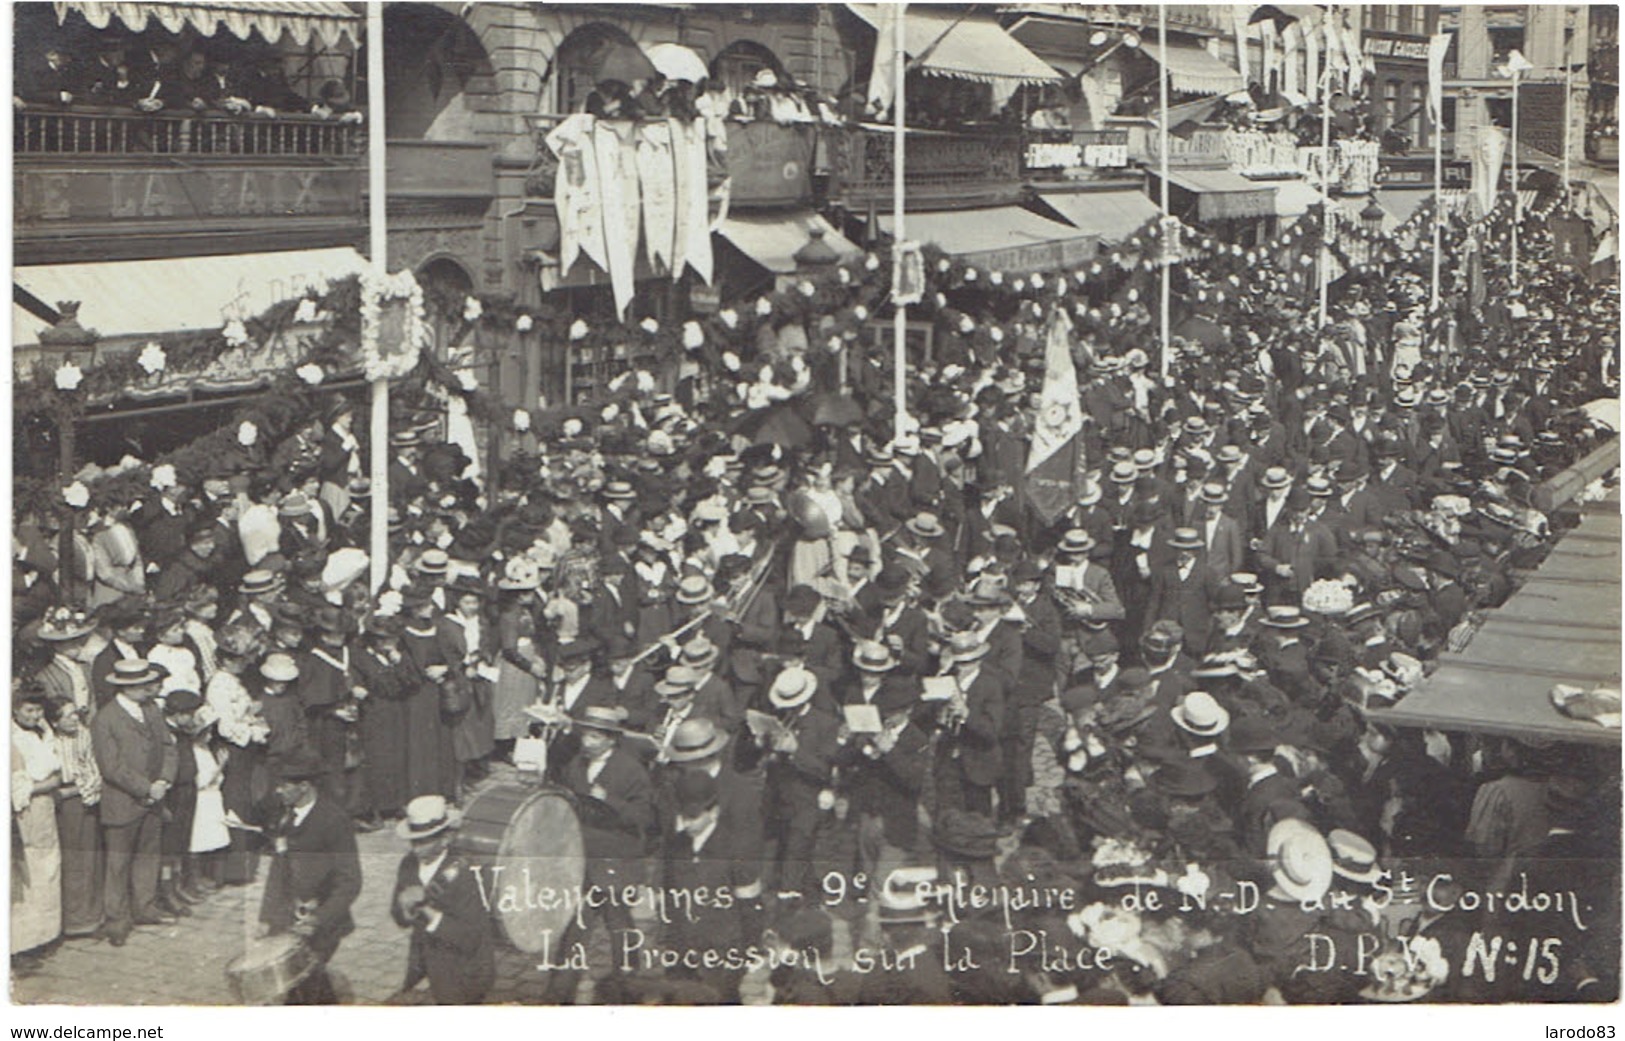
<point x="1193" y="70"/>
<point x="1294" y="197"/>
<point x="323" y="20"/>
<point x="1062" y="42"/>
<point x="1224" y="194"/>
<point x="1113" y="216"/>
<point x="136" y="298"/>
<point x="1001" y="238"/>
<point x="1563" y="626"/>
<point x="964" y="48"/>
<point x="1402" y="203"/>
<point x="773" y="239"/>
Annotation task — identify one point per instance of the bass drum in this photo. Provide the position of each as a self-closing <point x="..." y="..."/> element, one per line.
<point x="269" y="969"/>
<point x="526" y="841"/>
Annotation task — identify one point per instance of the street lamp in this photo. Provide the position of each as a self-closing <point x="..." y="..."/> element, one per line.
<point x="1371" y="218"/>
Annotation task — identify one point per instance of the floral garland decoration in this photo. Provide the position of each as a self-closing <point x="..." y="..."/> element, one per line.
<point x="392" y="305"/>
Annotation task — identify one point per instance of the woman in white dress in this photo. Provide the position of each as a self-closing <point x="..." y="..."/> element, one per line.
<point x="36" y="856"/>
<point x="209" y="832"/>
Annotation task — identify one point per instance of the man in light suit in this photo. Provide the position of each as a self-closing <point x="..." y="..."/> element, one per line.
<point x="1221" y="534"/>
<point x="138" y="758"/>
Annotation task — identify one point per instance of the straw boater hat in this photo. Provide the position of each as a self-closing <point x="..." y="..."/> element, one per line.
<point x="1185" y="538"/>
<point x="1284" y="616"/>
<point x="135" y="672"/>
<point x="611" y="719"/>
<point x="925" y="525"/>
<point x="1353" y="857"/>
<point x="677" y="681"/>
<point x="260" y="580"/>
<point x="1300" y="859"/>
<point x="433" y="562"/>
<point x="695" y="739"/>
<point x="792" y="688"/>
<point x="1075" y="542"/>
<point x="1198" y="713"/>
<point x="426" y="817"/>
<point x="872" y="656"/>
<point x="695" y="589"/>
<point x="700" y="653"/>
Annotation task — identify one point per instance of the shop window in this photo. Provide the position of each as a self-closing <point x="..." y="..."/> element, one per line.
<point x="1419" y="120"/>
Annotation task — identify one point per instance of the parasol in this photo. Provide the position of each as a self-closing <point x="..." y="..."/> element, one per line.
<point x="676" y="62"/>
<point x="1603" y="411"/>
<point x="1283" y="15"/>
<point x="623" y="61"/>
<point x="779" y="424"/>
<point x="836" y="410"/>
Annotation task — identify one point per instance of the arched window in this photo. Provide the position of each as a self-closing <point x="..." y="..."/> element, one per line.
<point x="579" y="59"/>
<point x="737" y="65"/>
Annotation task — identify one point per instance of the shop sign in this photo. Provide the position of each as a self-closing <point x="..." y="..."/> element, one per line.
<point x="88" y="195"/>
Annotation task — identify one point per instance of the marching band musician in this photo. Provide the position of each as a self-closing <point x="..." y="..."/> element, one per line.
<point x="798" y="748"/>
<point x="438" y="898"/>
<point x="316" y="873"/>
<point x="968" y="759"/>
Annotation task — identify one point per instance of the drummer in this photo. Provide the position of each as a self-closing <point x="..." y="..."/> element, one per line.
<point x="439" y="899"/>
<point x="316" y="873"/>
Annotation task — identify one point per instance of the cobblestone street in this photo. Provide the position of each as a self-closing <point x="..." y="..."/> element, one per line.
<point x="184" y="964"/>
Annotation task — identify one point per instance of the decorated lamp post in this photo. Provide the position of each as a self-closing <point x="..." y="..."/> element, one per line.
<point x="1162" y="149"/>
<point x="378" y="246"/>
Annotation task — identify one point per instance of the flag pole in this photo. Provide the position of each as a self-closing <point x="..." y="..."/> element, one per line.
<point x="1167" y="225"/>
<point x="1325" y="183"/>
<point x="1438" y="206"/>
<point x="378" y="250"/>
<point x="1568" y="125"/>
<point x="899" y="311"/>
<point x="1517" y="204"/>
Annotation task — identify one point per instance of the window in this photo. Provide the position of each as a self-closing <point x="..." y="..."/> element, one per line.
<point x="738" y="66"/>
<point x="1390" y="103"/>
<point x="1419" y="118"/>
<point x="1402" y="22"/>
<point x="1376" y="16"/>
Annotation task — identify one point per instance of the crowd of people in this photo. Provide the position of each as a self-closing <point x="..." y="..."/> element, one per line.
<point x="838" y="677"/>
<point x="157" y="72"/>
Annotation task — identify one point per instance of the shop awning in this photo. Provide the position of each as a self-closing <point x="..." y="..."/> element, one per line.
<point x="1402" y="203"/>
<point x="1062" y="42"/>
<point x="1001" y="238"/>
<point x="1563" y="626"/>
<point x="1113" y="216"/>
<point x="1193" y="70"/>
<point x="1294" y="197"/>
<point x="1224" y="194"/>
<point x="773" y="239"/>
<point x="323" y="20"/>
<point x="948" y="44"/>
<point x="136" y="298"/>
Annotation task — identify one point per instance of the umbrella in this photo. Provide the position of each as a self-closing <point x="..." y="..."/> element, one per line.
<point x="621" y="60"/>
<point x="1603" y="411"/>
<point x="836" y="410"/>
<point x="676" y="62"/>
<point x="1283" y="15"/>
<point x="776" y="425"/>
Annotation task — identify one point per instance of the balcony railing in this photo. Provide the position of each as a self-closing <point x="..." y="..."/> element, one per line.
<point x="950" y="169"/>
<point x="120" y="132"/>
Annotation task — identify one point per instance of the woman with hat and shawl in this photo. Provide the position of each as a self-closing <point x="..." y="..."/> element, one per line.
<point x="389" y="678"/>
<point x="438" y="897"/>
<point x="471" y="647"/>
<point x="519" y="665"/>
<point x="431" y="762"/>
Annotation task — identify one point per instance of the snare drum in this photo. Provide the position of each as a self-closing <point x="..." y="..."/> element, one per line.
<point x="523" y="839"/>
<point x="270" y="968"/>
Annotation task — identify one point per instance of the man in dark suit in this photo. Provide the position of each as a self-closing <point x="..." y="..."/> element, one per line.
<point x="1294" y="553"/>
<point x="1182" y="591"/>
<point x="126" y="624"/>
<point x="316" y="873"/>
<point x="707" y="849"/>
<point x="969" y="762"/>
<point x="891" y="619"/>
<point x="136" y="753"/>
<point x="1271" y="795"/>
<point x="797" y="759"/>
<point x="439" y="899"/>
<point x="52" y="80"/>
<point x="1221" y="533"/>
